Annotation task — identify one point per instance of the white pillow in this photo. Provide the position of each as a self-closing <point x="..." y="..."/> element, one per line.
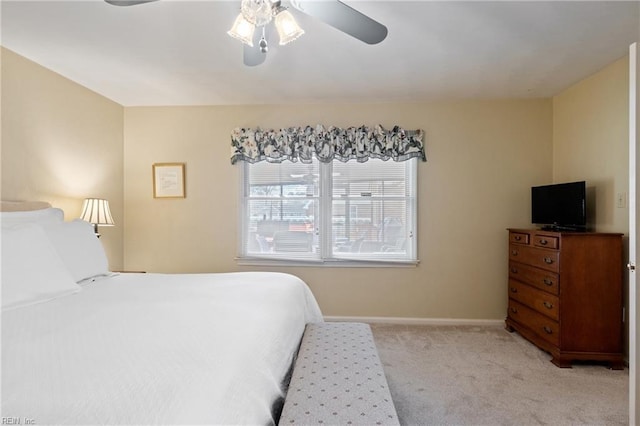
<point x="79" y="248"/>
<point x="32" y="271"/>
<point x="44" y="216"/>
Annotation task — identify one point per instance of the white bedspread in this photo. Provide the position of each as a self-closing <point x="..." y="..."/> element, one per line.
<point x="155" y="348"/>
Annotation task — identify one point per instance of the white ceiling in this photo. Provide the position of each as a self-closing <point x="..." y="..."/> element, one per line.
<point x="178" y="53"/>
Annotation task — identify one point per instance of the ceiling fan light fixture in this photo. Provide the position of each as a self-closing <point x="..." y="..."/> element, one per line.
<point x="288" y="28"/>
<point x="258" y="12"/>
<point x="242" y="30"/>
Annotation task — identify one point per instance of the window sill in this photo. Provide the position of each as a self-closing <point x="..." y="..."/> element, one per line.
<point x="333" y="263"/>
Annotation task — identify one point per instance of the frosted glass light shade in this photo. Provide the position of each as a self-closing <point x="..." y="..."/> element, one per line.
<point x="242" y="30"/>
<point x="288" y="28"/>
<point x="96" y="211"/>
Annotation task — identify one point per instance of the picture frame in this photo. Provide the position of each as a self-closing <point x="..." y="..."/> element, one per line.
<point x="169" y="180"/>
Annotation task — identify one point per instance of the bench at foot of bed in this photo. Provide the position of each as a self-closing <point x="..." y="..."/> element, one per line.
<point x="338" y="379"/>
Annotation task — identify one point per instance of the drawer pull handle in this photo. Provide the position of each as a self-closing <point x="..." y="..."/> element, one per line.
<point x="548" y="260"/>
<point x="514" y="310"/>
<point x="547" y="330"/>
<point x="543" y="242"/>
<point x="514" y="270"/>
<point x="514" y="290"/>
<point x="517" y="238"/>
<point x="547" y="281"/>
<point x="514" y="252"/>
<point x="548" y="305"/>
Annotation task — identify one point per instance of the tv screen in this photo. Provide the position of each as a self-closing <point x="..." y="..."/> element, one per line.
<point x="561" y="206"/>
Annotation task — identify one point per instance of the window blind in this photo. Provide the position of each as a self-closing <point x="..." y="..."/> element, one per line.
<point x="323" y="212"/>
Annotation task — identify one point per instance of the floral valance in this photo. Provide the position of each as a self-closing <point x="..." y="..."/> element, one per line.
<point x="326" y="144"/>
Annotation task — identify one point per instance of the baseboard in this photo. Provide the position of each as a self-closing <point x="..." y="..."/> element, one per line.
<point x="418" y="321"/>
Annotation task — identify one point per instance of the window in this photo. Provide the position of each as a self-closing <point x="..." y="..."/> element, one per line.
<point x="329" y="212"/>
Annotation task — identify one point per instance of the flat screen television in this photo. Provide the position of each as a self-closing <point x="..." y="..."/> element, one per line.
<point x="561" y="206"/>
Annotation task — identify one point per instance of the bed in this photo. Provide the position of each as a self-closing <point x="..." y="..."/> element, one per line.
<point x="82" y="345"/>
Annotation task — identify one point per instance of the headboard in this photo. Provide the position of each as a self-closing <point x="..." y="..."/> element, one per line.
<point x="23" y="206"/>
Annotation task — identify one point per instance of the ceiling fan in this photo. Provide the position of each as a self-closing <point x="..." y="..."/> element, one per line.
<point x="256" y="14"/>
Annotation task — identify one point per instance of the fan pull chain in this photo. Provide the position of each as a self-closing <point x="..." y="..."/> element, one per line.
<point x="263" y="43"/>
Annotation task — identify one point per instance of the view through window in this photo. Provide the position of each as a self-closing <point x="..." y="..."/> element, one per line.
<point x="327" y="212"/>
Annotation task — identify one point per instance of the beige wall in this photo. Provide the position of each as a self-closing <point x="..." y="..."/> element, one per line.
<point x="483" y="157"/>
<point x="591" y="138"/>
<point x="591" y="142"/>
<point x="61" y="143"/>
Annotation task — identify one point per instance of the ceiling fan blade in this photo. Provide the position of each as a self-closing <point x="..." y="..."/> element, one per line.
<point x="128" y="2"/>
<point x="253" y="56"/>
<point x="344" y="18"/>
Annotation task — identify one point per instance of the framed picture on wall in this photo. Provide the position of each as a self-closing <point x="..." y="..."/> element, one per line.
<point x="168" y="180"/>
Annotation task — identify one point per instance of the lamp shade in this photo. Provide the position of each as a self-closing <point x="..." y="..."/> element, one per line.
<point x="96" y="211"/>
<point x="288" y="28"/>
<point x="242" y="30"/>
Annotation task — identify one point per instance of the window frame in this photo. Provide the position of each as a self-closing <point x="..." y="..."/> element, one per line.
<point x="324" y="226"/>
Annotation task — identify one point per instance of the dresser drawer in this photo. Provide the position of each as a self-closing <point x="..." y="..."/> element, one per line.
<point x="518" y="238"/>
<point x="539" y="278"/>
<point x="541" y="258"/>
<point x="541" y="325"/>
<point x="545" y="303"/>
<point x="546" y="241"/>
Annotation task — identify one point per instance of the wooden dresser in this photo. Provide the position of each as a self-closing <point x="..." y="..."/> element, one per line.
<point x="565" y="294"/>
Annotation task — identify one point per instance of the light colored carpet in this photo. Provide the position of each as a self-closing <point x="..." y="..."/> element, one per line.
<point x="483" y="375"/>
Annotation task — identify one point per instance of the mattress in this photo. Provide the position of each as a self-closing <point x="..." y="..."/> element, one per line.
<point x="156" y="348"/>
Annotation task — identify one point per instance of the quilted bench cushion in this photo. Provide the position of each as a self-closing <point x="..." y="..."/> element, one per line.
<point x="338" y="379"/>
